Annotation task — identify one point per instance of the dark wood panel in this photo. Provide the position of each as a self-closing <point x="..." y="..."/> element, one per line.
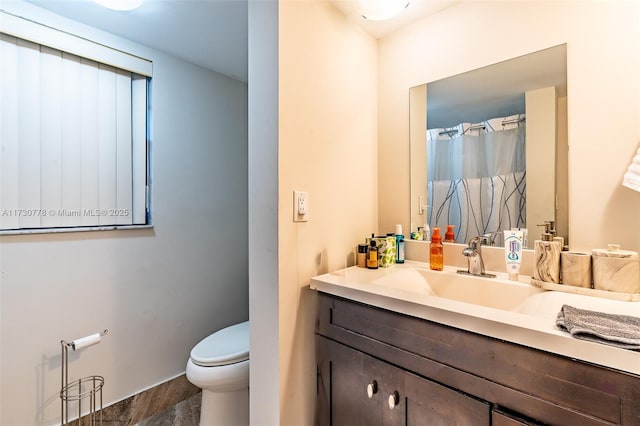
<point x="540" y="382"/>
<point x="323" y="384"/>
<point x="345" y="399"/>
<point x="429" y="404"/>
<point x="534" y="372"/>
<point x="420" y="402"/>
<point x="503" y="419"/>
<point x="350" y="405"/>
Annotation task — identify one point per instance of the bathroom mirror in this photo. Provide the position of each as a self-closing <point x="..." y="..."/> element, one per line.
<point x="489" y="148"/>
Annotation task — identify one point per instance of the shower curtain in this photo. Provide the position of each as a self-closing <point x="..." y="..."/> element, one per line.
<point x="476" y="177"/>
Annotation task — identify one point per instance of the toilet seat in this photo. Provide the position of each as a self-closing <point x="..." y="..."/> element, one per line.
<point x="227" y="346"/>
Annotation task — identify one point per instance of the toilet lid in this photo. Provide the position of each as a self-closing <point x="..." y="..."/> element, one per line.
<point x="226" y="346"/>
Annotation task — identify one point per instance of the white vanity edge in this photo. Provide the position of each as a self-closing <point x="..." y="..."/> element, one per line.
<point x="513" y="327"/>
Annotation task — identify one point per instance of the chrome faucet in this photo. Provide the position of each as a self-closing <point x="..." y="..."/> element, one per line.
<point x="488" y="239"/>
<point x="473" y="252"/>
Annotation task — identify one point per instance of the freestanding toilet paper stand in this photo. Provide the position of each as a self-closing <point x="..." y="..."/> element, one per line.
<point x="89" y="387"/>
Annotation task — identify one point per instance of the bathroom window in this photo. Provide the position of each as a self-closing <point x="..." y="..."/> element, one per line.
<point x="73" y="132"/>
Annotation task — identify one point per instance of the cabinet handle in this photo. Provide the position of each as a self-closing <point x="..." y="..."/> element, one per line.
<point x="372" y="389"/>
<point x="394" y="399"/>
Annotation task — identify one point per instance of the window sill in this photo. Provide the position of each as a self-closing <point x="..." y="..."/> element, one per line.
<point x="73" y="229"/>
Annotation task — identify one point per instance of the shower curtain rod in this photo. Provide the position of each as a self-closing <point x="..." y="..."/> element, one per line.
<point x="480" y="126"/>
<point x="454" y="131"/>
<point x="514" y="120"/>
<point x="477" y="127"/>
<point x="448" y="132"/>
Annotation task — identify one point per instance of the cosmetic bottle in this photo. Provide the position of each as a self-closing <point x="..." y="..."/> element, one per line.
<point x="372" y="255"/>
<point x="399" y="244"/>
<point x="362" y="255"/>
<point x="436" y="257"/>
<point x="546" y="254"/>
<point x="426" y="232"/>
<point x="449" y="236"/>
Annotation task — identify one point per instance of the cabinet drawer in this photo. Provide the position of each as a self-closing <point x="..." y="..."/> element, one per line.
<point x="522" y="379"/>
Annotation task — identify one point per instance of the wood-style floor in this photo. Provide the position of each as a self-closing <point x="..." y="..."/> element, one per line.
<point x="185" y="413"/>
<point x="172" y="403"/>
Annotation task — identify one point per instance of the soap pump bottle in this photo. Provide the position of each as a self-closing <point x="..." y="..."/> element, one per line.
<point x="546" y="253"/>
<point x="554" y="233"/>
<point x="436" y="251"/>
<point x="449" y="236"/>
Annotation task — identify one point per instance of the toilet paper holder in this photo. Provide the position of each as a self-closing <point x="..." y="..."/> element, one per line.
<point x="89" y="387"/>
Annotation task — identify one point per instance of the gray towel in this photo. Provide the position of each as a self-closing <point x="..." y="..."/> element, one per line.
<point x="622" y="331"/>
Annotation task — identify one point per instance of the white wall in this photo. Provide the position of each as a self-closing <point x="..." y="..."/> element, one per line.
<point x="263" y="213"/>
<point x="158" y="291"/>
<point x="327" y="146"/>
<point x="603" y="58"/>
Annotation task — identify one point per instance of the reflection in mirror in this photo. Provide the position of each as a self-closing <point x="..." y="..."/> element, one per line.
<point x="489" y="148"/>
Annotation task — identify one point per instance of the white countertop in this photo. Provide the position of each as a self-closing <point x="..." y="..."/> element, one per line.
<point x="403" y="288"/>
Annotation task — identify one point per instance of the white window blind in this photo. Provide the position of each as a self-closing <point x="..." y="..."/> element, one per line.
<point x="73" y="136"/>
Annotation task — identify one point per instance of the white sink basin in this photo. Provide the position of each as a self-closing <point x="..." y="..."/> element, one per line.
<point x="420" y="282"/>
<point x="497" y="293"/>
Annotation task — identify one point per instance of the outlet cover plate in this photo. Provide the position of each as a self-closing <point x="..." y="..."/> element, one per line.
<point x="300" y="206"/>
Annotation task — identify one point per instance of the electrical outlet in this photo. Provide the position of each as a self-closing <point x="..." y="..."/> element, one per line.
<point x="300" y="206"/>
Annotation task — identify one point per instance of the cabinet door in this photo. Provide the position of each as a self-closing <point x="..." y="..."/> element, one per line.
<point x="430" y="404"/>
<point x="356" y="397"/>
<point x="357" y="389"/>
<point x="354" y="389"/>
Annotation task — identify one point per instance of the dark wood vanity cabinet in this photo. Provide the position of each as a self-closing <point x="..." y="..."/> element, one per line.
<point x="377" y="367"/>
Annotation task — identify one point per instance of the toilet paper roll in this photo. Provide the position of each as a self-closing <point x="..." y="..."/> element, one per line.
<point x="576" y="269"/>
<point x="86" y="341"/>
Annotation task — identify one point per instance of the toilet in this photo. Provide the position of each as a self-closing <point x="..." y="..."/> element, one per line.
<point x="219" y="365"/>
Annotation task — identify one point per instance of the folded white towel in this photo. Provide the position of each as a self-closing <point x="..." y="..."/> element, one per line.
<point x="622" y="331"/>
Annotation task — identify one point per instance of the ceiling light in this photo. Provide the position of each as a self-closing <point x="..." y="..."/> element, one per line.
<point x="379" y="10"/>
<point x="120" y="4"/>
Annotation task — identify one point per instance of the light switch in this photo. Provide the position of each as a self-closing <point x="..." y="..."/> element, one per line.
<point x="300" y="206"/>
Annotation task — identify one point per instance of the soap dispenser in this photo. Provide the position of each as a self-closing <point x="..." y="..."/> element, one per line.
<point x="436" y="253"/>
<point x="554" y="233"/>
<point x="450" y="236"/>
<point x="546" y="253"/>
